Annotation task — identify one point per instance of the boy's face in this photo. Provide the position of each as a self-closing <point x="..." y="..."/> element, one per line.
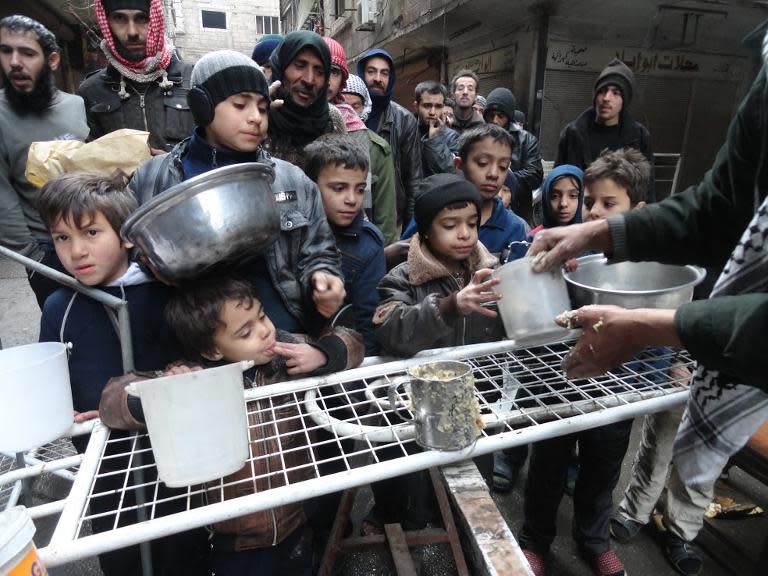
<point x="453" y="233"/>
<point x="605" y="197"/>
<point x="506" y="195"/>
<point x="564" y="199"/>
<point x="247" y="333"/>
<point x="608" y="104"/>
<point x="342" y="190"/>
<point x="91" y="251"/>
<point x="486" y="166"/>
<point x="239" y="122"/>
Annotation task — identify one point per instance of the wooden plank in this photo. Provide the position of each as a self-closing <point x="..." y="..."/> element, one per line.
<point x="494" y="550"/>
<point x="399" y="548"/>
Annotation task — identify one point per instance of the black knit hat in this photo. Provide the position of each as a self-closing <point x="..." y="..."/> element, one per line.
<point x="618" y="74"/>
<point x="112" y="5"/>
<point x="221" y="74"/>
<point x="500" y="100"/>
<point x="438" y="191"/>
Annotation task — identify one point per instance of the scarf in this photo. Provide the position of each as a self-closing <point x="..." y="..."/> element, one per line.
<point x="151" y="67"/>
<point x="299" y="125"/>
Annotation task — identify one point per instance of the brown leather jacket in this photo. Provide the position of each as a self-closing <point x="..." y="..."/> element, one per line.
<point x="276" y="437"/>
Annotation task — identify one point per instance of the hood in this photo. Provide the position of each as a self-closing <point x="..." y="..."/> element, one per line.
<point x="550" y="221"/>
<point x="392" y="74"/>
<point x="501" y="100"/>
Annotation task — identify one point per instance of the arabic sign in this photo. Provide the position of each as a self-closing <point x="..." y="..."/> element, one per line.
<point x="574" y="56"/>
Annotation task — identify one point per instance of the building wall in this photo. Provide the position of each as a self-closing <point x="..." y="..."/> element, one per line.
<point x="185" y="27"/>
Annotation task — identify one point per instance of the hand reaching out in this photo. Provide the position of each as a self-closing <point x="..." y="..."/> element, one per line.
<point x="478" y="292"/>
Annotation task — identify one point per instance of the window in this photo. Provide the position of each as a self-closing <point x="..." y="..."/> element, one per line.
<point x="339" y="6"/>
<point x="267" y="25"/>
<point x="213" y="19"/>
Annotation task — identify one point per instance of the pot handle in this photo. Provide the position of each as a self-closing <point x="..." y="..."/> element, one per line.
<point x="392" y="396"/>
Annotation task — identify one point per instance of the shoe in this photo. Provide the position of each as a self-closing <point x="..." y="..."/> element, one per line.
<point x="538" y="562"/>
<point x="682" y="555"/>
<point x="624" y="529"/>
<point x="504" y="474"/>
<point x="606" y="564"/>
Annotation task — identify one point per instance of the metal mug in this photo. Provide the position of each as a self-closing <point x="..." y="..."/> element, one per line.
<point x="446" y="414"/>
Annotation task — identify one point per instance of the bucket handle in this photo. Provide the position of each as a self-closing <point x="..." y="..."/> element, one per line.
<point x="394" y="403"/>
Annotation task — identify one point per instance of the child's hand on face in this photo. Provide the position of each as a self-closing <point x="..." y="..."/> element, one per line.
<point x="327" y="293"/>
<point x="478" y="292"/>
<point x="300" y="358"/>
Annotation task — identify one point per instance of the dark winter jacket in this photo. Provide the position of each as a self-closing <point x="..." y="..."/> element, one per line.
<point x="69" y="316"/>
<point x="277" y="443"/>
<point x="165" y="115"/>
<point x="398" y="127"/>
<point x="462" y="126"/>
<point x="305" y="245"/>
<point x="362" y="260"/>
<point x="437" y="153"/>
<point x="574" y="147"/>
<point x="418" y="305"/>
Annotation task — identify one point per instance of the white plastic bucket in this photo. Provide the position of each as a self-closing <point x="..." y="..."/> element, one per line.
<point x="18" y="554"/>
<point x="197" y="423"/>
<point x="35" y="396"/>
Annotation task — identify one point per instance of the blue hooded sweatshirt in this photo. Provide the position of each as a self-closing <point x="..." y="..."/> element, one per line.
<point x="550" y="218"/>
<point x="380" y="101"/>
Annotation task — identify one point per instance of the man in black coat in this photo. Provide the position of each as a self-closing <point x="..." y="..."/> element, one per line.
<point x="526" y="160"/>
<point x="607" y="124"/>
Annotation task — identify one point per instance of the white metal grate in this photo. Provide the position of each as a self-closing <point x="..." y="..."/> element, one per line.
<point x="345" y="434"/>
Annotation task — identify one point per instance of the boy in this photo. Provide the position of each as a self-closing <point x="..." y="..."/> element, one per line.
<point x="339" y="166"/>
<point x="615" y="182"/>
<point x="484" y="157"/>
<point x="298" y="278"/>
<point x="84" y="213"/>
<point x="221" y="320"/>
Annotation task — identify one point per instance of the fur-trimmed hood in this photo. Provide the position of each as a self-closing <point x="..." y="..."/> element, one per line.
<point x="424" y="267"/>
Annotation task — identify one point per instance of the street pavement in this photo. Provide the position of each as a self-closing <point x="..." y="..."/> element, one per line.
<point x="19" y="324"/>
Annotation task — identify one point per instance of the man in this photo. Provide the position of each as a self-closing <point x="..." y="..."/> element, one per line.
<point x="526" y="160"/>
<point x="144" y="85"/>
<point x="439" y="143"/>
<point x="31" y="110"/>
<point x="722" y="222"/>
<point x="302" y="63"/>
<point x="607" y="124"/>
<point x="396" y="125"/>
<point x="465" y="85"/>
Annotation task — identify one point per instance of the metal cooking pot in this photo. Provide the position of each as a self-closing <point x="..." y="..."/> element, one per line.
<point x="631" y="284"/>
<point x="220" y="215"/>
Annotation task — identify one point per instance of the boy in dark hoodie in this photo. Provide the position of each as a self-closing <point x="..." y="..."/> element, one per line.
<point x="526" y="160"/>
<point x="396" y="125"/>
<point x="298" y="279"/>
<point x="84" y="213"/>
<point x="220" y="320"/>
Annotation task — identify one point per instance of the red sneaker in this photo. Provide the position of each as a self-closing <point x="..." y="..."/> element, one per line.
<point x="538" y="563"/>
<point x="607" y="564"/>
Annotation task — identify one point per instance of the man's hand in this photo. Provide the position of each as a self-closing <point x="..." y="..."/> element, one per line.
<point x="274" y="87"/>
<point x="436" y="126"/>
<point x="300" y="358"/>
<point x="612" y="335"/>
<point x="81" y="417"/>
<point x="478" y="292"/>
<point x="565" y="242"/>
<point x="327" y="293"/>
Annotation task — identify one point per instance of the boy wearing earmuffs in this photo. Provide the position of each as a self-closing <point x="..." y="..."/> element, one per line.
<point x="298" y="278"/>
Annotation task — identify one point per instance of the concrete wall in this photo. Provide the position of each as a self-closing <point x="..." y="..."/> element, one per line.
<point x="192" y="40"/>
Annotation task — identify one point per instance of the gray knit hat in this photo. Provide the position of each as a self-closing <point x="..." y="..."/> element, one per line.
<point x="219" y="75"/>
<point x="618" y="74"/>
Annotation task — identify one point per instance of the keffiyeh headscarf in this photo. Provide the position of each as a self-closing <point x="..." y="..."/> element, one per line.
<point x="356" y="85"/>
<point x="158" y="53"/>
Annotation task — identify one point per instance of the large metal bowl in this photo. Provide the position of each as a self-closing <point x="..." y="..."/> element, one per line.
<point x="631" y="284"/>
<point x="218" y="216"/>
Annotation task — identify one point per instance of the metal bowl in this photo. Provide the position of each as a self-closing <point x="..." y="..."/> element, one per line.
<point x="223" y="214"/>
<point x="631" y="284"/>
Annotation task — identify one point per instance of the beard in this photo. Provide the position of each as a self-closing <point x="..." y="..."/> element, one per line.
<point x="35" y="101"/>
<point x="130" y="55"/>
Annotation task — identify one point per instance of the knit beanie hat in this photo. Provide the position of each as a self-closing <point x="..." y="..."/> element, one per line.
<point x="481" y="101"/>
<point x="221" y="74"/>
<point x="264" y="47"/>
<point x="356" y="85"/>
<point x="112" y="5"/>
<point x="438" y="191"/>
<point x="618" y="74"/>
<point x="500" y="100"/>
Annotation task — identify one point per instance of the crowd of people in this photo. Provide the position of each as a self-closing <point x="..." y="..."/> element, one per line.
<point x="398" y="218"/>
